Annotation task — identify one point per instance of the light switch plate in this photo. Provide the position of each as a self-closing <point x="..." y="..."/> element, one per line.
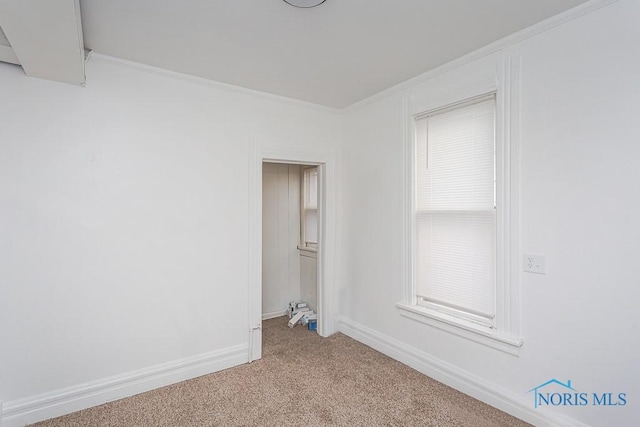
<point x="535" y="263"/>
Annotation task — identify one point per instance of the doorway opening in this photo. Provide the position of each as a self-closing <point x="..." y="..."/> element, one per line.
<point x="291" y="210"/>
<point x="321" y="257"/>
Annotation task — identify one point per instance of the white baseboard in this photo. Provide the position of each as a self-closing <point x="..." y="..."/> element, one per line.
<point x="64" y="401"/>
<point x="453" y="376"/>
<point x="274" y="314"/>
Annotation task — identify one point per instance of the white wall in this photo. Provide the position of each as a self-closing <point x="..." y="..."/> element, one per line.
<point x="579" y="206"/>
<point x="123" y="221"/>
<point x="280" y="237"/>
<point x="124" y="210"/>
<point x="309" y="279"/>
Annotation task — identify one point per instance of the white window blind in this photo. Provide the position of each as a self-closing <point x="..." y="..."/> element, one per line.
<point x="456" y="210"/>
<point x="310" y="207"/>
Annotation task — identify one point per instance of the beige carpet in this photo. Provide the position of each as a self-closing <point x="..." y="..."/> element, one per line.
<point x="302" y="380"/>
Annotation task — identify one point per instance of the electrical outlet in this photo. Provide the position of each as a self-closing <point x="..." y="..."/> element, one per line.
<point x="535" y="263"/>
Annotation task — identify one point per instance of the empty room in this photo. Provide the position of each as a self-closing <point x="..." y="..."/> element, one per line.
<point x="449" y="189"/>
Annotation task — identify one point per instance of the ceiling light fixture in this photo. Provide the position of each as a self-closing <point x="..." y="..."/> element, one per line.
<point x="304" y="3"/>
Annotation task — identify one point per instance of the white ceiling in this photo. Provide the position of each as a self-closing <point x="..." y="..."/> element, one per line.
<point x="335" y="54"/>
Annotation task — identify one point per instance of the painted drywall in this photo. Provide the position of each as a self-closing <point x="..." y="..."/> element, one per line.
<point x="280" y="237"/>
<point x="123" y="219"/>
<point x="309" y="279"/>
<point x="579" y="207"/>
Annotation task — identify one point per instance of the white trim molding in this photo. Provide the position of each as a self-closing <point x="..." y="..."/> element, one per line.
<point x="500" y="75"/>
<point x="468" y="330"/>
<point x="274" y="314"/>
<point x="262" y="151"/>
<point x="254" y="267"/>
<point x="508" y="280"/>
<point x="459" y="379"/>
<point x="64" y="401"/>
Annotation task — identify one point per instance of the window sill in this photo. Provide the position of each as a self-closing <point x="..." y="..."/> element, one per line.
<point x="462" y="328"/>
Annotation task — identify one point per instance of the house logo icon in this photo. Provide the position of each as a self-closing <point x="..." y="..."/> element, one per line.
<point x="539" y="398"/>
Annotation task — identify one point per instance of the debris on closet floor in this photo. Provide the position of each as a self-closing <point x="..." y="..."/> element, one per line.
<point x="300" y="313"/>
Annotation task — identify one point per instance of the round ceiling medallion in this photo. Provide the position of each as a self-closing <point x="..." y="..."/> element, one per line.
<point x="304" y="3"/>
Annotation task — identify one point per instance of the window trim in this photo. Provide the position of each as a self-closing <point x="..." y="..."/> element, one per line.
<point x="461" y="328"/>
<point x="505" y="336"/>
<point x="304" y="245"/>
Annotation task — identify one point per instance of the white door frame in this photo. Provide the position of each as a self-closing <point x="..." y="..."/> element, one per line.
<point x="326" y="235"/>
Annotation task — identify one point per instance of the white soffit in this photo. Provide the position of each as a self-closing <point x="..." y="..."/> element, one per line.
<point x="6" y="51"/>
<point x="46" y="37"/>
<point x="335" y="54"/>
<point x="3" y="39"/>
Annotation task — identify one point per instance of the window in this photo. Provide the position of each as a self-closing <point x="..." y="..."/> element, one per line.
<point x="309" y="208"/>
<point x="455" y="215"/>
<point x="462" y="229"/>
